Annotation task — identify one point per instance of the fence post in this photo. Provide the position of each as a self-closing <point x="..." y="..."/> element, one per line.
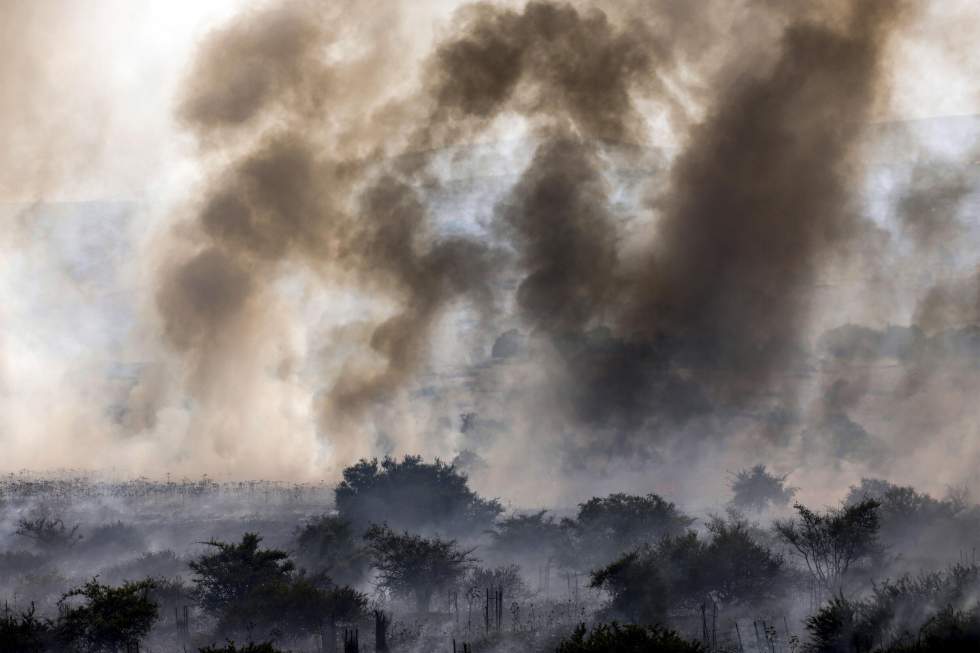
<point x="381" y="622"/>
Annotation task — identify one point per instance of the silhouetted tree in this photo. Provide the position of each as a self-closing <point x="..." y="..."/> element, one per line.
<point x="613" y="638"/>
<point x="756" y="490"/>
<point x="247" y="588"/>
<point x="235" y="583"/>
<point x="682" y="571"/>
<point x="535" y="537"/>
<point x="605" y="527"/>
<point x="835" y="543"/>
<point x="411" y="565"/>
<point x="109" y="619"/>
<point x="739" y="568"/>
<point x="412" y="495"/>
<point x="327" y="545"/>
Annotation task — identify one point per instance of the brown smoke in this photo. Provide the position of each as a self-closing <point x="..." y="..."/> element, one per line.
<point x="44" y="139"/>
<point x="704" y="318"/>
<point x="558" y="218"/>
<point x="296" y="194"/>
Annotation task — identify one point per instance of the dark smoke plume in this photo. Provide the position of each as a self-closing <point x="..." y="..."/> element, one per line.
<point x="758" y="202"/>
<point x="761" y="195"/>
<point x="700" y="322"/>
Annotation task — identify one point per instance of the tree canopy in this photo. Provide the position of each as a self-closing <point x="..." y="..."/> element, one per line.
<point x="250" y="590"/>
<point x="915" y="614"/>
<point x="413" y="495"/>
<point x="109" y="618"/>
<point x="412" y="565"/>
<point x="234" y="572"/>
<point x="681" y="571"/>
<point x="756" y="490"/>
<point x="607" y="526"/>
<point x="835" y="543"/>
<point x="534" y="536"/>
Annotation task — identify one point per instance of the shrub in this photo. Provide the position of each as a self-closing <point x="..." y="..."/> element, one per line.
<point x="110" y="617"/>
<point x="25" y="633"/>
<point x="613" y="638"/>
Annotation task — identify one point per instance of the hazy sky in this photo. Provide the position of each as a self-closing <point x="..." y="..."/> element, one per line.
<point x="89" y="117"/>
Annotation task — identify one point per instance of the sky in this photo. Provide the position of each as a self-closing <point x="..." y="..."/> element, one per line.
<point x="106" y="162"/>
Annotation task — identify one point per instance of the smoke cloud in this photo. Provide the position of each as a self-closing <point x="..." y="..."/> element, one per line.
<point x="603" y="232"/>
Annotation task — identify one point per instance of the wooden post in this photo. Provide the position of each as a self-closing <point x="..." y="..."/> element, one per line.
<point x="704" y="627"/>
<point x="500" y="607"/>
<point x="351" y="644"/>
<point x="381" y="622"/>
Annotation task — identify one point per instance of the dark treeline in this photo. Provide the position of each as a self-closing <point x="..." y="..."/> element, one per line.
<point x="410" y="558"/>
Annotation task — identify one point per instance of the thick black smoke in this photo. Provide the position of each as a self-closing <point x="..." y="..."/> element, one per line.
<point x="711" y="319"/>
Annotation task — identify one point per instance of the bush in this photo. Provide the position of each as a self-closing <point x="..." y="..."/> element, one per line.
<point x="680" y="571"/>
<point x="835" y="544"/>
<point x="235" y="583"/>
<point x="535" y="537"/>
<point x="837" y="628"/>
<point x="110" y="617"/>
<point x="25" y="633"/>
<point x="607" y="526"/>
<point x="910" y="614"/>
<point x="614" y="638"/>
<point x="247" y="588"/>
